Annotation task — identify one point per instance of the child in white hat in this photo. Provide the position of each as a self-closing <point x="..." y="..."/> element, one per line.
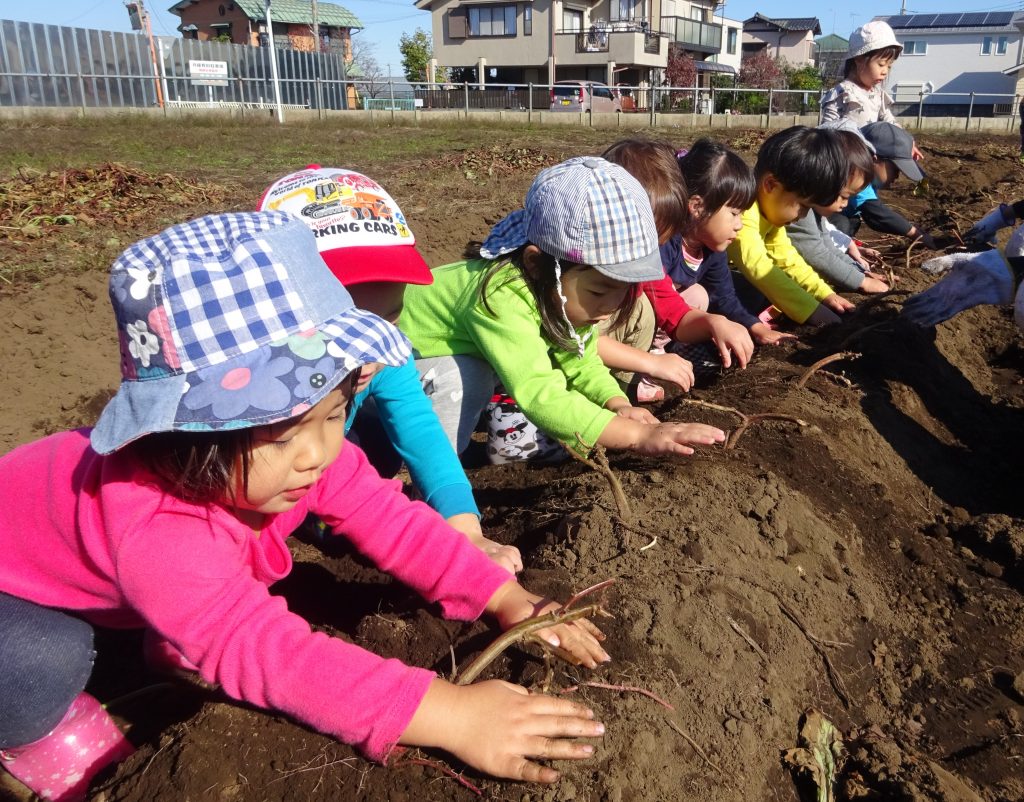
<point x="860" y="96"/>
<point x="239" y="355"/>
<point x="527" y="312"/>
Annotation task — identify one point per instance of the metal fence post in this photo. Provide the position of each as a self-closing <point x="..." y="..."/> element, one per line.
<point x="654" y="99"/>
<point x="920" y="110"/>
<point x="391" y="93"/>
<point x="1013" y="112"/>
<point x="771" y="97"/>
<point x="970" y="111"/>
<point x="529" y="102"/>
<point x="465" y="95"/>
<point x="714" y="108"/>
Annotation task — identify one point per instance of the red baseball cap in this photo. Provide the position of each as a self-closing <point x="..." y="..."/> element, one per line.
<point x="360" y="231"/>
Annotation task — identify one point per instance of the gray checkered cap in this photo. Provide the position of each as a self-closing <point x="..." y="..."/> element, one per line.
<point x="589" y="211"/>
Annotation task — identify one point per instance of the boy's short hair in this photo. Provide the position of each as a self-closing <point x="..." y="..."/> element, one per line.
<point x="653" y="164"/>
<point x="810" y="162"/>
<point x="858" y="154"/>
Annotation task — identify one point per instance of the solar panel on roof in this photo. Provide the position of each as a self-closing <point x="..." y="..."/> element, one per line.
<point x="947" y="20"/>
<point x="998" y="17"/>
<point x="973" y="19"/>
<point x="924" y="20"/>
<point x="899" y="22"/>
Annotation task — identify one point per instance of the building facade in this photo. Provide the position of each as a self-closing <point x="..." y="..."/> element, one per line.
<point x="789" y="39"/>
<point x="979" y="52"/>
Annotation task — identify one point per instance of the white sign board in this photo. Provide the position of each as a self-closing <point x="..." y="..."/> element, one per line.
<point x="208" y="73"/>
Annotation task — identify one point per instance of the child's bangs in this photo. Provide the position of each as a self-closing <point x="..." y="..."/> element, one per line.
<point x="891" y="53"/>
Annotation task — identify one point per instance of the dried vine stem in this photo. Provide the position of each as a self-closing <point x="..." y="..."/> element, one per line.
<point x="621" y="689"/>
<point x="828" y="360"/>
<point x="437" y="764"/>
<point x="911" y="248"/>
<point x="600" y="465"/>
<point x="523" y="631"/>
<point x="734" y="438"/>
<point x="693" y="743"/>
<point x="745" y="420"/>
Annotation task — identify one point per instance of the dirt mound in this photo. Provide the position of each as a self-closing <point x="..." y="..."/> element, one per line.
<point x="864" y="559"/>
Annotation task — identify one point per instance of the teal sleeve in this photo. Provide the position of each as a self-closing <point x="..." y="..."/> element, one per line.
<point x="412" y="426"/>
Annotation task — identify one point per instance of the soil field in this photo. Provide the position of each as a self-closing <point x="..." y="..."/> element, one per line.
<point x="864" y="558"/>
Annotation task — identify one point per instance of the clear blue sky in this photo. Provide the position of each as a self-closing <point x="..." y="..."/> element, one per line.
<point x="386" y="20"/>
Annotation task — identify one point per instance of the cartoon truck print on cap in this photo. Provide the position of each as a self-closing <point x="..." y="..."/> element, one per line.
<point x="329" y="197"/>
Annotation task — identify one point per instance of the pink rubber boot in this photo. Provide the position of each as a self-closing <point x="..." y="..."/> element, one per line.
<point x="60" y="765"/>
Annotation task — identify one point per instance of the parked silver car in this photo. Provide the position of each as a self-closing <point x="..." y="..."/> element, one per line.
<point x="584" y="96"/>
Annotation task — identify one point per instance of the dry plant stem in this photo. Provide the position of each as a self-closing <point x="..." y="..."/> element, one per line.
<point x="622" y="689"/>
<point x="734" y="438"/>
<point x="861" y="332"/>
<point x="911" y="248"/>
<point x="828" y="360"/>
<point x="601" y="466"/>
<point x="520" y="632"/>
<point x="745" y="419"/>
<point x="436" y="764"/>
<point x="750" y="641"/>
<point x="693" y="743"/>
<point x="587" y="591"/>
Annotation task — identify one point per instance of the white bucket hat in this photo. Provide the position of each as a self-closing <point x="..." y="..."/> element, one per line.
<point x="871" y="36"/>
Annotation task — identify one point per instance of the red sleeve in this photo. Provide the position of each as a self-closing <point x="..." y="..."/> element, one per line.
<point x="669" y="307"/>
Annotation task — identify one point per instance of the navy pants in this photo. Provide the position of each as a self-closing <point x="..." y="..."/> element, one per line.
<point x="46" y="657"/>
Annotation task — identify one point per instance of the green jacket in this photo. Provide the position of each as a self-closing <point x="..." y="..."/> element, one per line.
<point x="561" y="392"/>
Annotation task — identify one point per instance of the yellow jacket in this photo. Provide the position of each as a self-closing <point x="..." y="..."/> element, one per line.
<point x="765" y="256"/>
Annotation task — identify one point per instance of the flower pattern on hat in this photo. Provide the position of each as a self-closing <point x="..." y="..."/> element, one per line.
<point x="250" y="381"/>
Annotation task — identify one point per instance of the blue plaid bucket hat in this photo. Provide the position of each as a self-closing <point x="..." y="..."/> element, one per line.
<point x="589" y="211"/>
<point x="228" y="322"/>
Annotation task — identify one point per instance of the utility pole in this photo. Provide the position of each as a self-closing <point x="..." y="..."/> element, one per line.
<point x="316" y="27"/>
<point x="144" y="25"/>
<point x="273" y="63"/>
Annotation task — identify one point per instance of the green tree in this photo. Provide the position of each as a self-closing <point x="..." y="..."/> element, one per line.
<point x="806" y="77"/>
<point x="417" y="50"/>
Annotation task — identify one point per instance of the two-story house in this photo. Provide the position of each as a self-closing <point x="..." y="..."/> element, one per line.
<point x="711" y="40"/>
<point x="789" y="39"/>
<point x="959" y="52"/>
<point x="537" y="41"/>
<point x="830" y="57"/>
<point x="244" y="22"/>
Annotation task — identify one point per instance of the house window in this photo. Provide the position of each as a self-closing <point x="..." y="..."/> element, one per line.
<point x="1001" y="46"/>
<point x="698" y="13"/>
<point x="527" y="20"/>
<point x="730" y="41"/>
<point x="492" y="21"/>
<point x="986" y="46"/>
<point x="626" y="9"/>
<point x="572" y="20"/>
<point x="915" y="47"/>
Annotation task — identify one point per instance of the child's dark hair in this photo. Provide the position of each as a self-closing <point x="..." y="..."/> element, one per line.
<point x="718" y="175"/>
<point x="197" y="467"/>
<point x="809" y="162"/>
<point x="545" y="292"/>
<point x="653" y="164"/>
<point x="859" y="156"/>
<point x="850" y="65"/>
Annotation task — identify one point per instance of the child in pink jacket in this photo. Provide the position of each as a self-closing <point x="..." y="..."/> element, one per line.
<point x="239" y="352"/>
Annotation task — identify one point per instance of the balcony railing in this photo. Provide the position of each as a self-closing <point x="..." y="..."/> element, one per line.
<point x="704" y="37"/>
<point x="596" y="38"/>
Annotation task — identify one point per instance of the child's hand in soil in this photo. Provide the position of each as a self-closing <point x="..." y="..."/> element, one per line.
<point x="731" y="339"/>
<point x="576" y="640"/>
<point x="676" y="438"/>
<point x="671" y="368"/>
<point x="837" y="303"/>
<point x="508" y="557"/>
<point x="764" y="334"/>
<point x="639" y="414"/>
<point x="872" y="284"/>
<point x="865" y="257"/>
<point x="496" y="727"/>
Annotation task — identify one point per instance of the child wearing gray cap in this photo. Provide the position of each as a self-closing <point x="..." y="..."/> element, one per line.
<point x="526" y="312"/>
<point x="893" y="157"/>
